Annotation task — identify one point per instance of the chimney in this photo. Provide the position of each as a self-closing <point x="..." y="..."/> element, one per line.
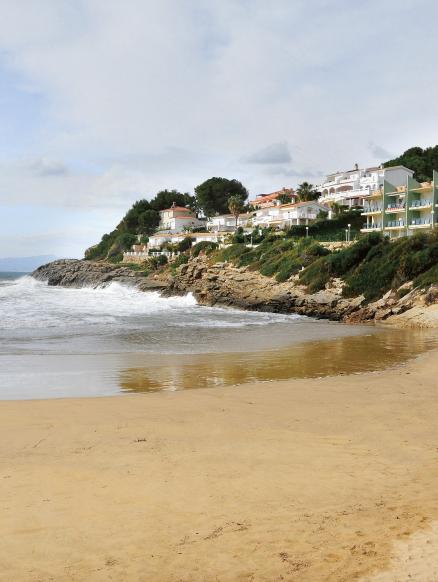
<point x="356" y="166"/>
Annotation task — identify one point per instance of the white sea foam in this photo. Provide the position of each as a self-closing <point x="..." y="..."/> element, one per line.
<point x="30" y="304"/>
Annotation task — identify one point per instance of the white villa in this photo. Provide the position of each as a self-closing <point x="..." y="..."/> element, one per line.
<point x="178" y="218"/>
<point x="354" y="187"/>
<point x="221" y="223"/>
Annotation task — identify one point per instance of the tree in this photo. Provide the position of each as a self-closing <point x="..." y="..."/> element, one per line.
<point x="165" y="198"/>
<point x="148" y="221"/>
<point x="235" y="206"/>
<point x="284" y="198"/>
<point x="422" y="161"/>
<point x="185" y="244"/>
<point x="337" y="208"/>
<point x="213" y="194"/>
<point x="307" y="192"/>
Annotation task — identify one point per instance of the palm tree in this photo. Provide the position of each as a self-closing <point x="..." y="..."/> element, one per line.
<point x="307" y="192"/>
<point x="235" y="206"/>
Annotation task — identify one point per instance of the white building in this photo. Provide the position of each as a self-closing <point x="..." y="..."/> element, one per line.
<point x="177" y="219"/>
<point x="141" y="252"/>
<point x="352" y="188"/>
<point x="278" y="216"/>
<point x="223" y="222"/>
<point x="285" y="215"/>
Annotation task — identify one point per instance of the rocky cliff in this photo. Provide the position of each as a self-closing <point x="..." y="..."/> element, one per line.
<point x="222" y="284"/>
<point x="79" y="273"/>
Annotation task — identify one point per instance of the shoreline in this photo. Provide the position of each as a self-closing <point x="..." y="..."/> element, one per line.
<point x="299" y="479"/>
<point x="224" y="285"/>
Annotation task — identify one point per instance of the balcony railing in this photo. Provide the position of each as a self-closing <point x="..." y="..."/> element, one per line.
<point x="420" y="222"/>
<point x="395" y="208"/>
<point x="395" y="224"/>
<point x="371" y="226"/>
<point x="370" y="209"/>
<point x="420" y="204"/>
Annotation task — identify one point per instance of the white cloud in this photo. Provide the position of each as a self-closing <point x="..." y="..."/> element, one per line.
<point x="138" y="96"/>
<point x="276" y="153"/>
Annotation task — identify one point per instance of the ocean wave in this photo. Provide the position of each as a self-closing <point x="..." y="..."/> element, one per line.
<point x="31" y="309"/>
<point x="29" y="303"/>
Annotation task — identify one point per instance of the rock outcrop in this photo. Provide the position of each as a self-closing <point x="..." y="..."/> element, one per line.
<point x="79" y="273"/>
<point x="225" y="285"/>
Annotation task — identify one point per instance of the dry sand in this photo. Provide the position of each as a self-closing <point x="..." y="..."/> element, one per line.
<point x="310" y="480"/>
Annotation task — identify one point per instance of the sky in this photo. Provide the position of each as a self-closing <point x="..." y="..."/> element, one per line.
<point x="104" y="102"/>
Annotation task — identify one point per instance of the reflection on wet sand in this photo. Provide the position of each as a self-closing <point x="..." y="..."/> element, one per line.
<point x="345" y="355"/>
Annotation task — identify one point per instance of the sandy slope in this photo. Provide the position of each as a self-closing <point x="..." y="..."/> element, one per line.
<point x="303" y="480"/>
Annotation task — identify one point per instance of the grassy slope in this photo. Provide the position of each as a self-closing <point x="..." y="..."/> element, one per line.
<point x="372" y="266"/>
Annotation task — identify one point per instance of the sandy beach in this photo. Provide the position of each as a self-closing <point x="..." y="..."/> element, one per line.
<point x="322" y="479"/>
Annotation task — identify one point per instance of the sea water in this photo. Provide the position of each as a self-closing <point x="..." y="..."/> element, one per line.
<point x="58" y="342"/>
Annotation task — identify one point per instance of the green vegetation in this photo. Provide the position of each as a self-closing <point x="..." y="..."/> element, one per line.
<point x="235" y="206"/>
<point x="141" y="219"/>
<point x="181" y="259"/>
<point x="330" y="230"/>
<point x="374" y="265"/>
<point x="422" y="161"/>
<point x="204" y="246"/>
<point x="281" y="258"/>
<point x="213" y="195"/>
<point x="307" y="192"/>
<point x="371" y="266"/>
<point x="184" y="245"/>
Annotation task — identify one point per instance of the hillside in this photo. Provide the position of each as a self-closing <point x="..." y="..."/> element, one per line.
<point x="373" y="279"/>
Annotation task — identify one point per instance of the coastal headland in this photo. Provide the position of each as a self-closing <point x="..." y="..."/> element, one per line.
<point x="318" y="479"/>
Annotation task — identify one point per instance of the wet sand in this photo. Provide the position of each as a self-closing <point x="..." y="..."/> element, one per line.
<point x="352" y="350"/>
<point x="308" y="479"/>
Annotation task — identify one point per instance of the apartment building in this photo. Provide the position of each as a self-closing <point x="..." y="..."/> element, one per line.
<point x="354" y="187"/>
<point x="404" y="209"/>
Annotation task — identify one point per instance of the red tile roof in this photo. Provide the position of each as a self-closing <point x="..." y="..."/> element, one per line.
<point x="178" y="208"/>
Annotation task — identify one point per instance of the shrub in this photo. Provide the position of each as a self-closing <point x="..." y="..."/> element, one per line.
<point x="203" y="246"/>
<point x="231" y="253"/>
<point x="116" y="258"/>
<point x="325" y="229"/>
<point x="238" y="236"/>
<point x="155" y="263"/>
<point x="184" y="245"/>
<point x="374" y="265"/>
<point x="430" y="277"/>
<point x="180" y="260"/>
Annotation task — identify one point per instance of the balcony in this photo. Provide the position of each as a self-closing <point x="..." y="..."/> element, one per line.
<point x="419" y="204"/>
<point x="394" y="208"/>
<point x="395" y="224"/>
<point x="397" y="193"/>
<point x="420" y="223"/>
<point x="376" y="194"/>
<point x="370" y="227"/>
<point x="425" y="187"/>
<point x="368" y="210"/>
